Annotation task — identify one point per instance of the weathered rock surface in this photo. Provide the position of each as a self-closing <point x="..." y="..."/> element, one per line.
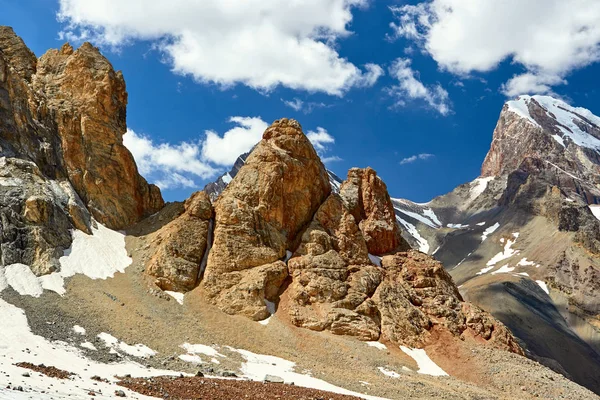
<point x="88" y="99"/>
<point x="258" y="216"/>
<point x="179" y="247"/>
<point x="61" y="124"/>
<point x="366" y="197"/>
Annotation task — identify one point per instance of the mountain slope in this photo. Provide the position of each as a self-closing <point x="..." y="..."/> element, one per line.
<point x="522" y="240"/>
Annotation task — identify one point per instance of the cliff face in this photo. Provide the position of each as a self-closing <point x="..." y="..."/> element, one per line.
<point x="62" y="119"/>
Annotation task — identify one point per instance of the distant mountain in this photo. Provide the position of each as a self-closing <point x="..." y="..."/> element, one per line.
<point x="523" y="240"/>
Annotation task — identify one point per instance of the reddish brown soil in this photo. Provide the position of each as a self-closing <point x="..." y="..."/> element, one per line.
<point x="205" y="388"/>
<point x="52" y="372"/>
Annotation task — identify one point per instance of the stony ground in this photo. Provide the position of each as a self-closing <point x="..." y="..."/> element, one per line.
<point x="129" y="309"/>
<point x="193" y="388"/>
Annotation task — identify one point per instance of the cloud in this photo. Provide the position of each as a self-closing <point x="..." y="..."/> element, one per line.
<point x="165" y="164"/>
<point x="416" y="157"/>
<point x="410" y="87"/>
<point x="258" y="43"/>
<point x="173" y="166"/>
<point x="306" y="107"/>
<point x="320" y="140"/>
<point x="547" y="38"/>
<point x="225" y="149"/>
<point x="296" y="104"/>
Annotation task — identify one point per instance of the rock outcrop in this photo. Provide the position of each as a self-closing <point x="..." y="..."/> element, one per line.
<point x="62" y="158"/>
<point x="88" y="100"/>
<point x="258" y="216"/>
<point x="280" y="230"/>
<point x="366" y="197"/>
<point x="179" y="247"/>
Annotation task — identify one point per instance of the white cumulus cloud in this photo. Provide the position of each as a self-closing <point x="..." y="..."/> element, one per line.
<point x="416" y="157"/>
<point x="225" y="149"/>
<point x="183" y="165"/>
<point x="165" y="164"/>
<point x="547" y="38"/>
<point x="410" y="87"/>
<point x="258" y="43"/>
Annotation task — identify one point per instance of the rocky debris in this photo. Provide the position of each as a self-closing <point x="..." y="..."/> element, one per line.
<point x="52" y="372"/>
<point x="179" y="247"/>
<point x="366" y="197"/>
<point x="258" y="216"/>
<point x="204" y="388"/>
<point x="88" y="99"/>
<point x="418" y="296"/>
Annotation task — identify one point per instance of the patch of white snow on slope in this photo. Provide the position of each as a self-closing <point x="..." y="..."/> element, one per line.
<point x="176" y="295"/>
<point x="595" y="209"/>
<point x="226" y="178"/>
<point x="79" y="330"/>
<point x="489" y="231"/>
<point x="390" y="373"/>
<point x="201" y="349"/>
<point x="478" y="186"/>
<point x="543" y="285"/>
<point x="19" y="344"/>
<point x="98" y="256"/>
<point x="425" y="364"/>
<point x="519" y="107"/>
<point x="137" y="350"/>
<point x="412" y="230"/>
<point x="525" y="263"/>
<point x="457" y="226"/>
<point x="504" y="270"/>
<point x="258" y="366"/>
<point x="377" y="345"/>
<point x="559" y="139"/>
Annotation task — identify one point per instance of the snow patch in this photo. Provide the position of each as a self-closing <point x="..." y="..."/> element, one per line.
<point x="190" y="358"/>
<point x="559" y="140"/>
<point x="22" y="280"/>
<point x="504" y="270"/>
<point x="412" y="230"/>
<point x="520" y="108"/>
<point x="544" y="287"/>
<point x="482" y="223"/>
<point x="457" y="226"/>
<point x="525" y="263"/>
<point x="478" y="186"/>
<point x="19" y="344"/>
<point x="89" y="346"/>
<point x="390" y="373"/>
<point x="258" y="366"/>
<point x="176" y="295"/>
<point x="489" y="231"/>
<point x="137" y="350"/>
<point x="98" y="256"/>
<point x="425" y="364"/>
<point x="508" y="251"/>
<point x="79" y="330"/>
<point x="201" y="349"/>
<point x="226" y="178"/>
<point x="377" y="345"/>
<point x="595" y="209"/>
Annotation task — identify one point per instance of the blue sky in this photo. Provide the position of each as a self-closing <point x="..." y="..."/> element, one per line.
<point x="421" y="78"/>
